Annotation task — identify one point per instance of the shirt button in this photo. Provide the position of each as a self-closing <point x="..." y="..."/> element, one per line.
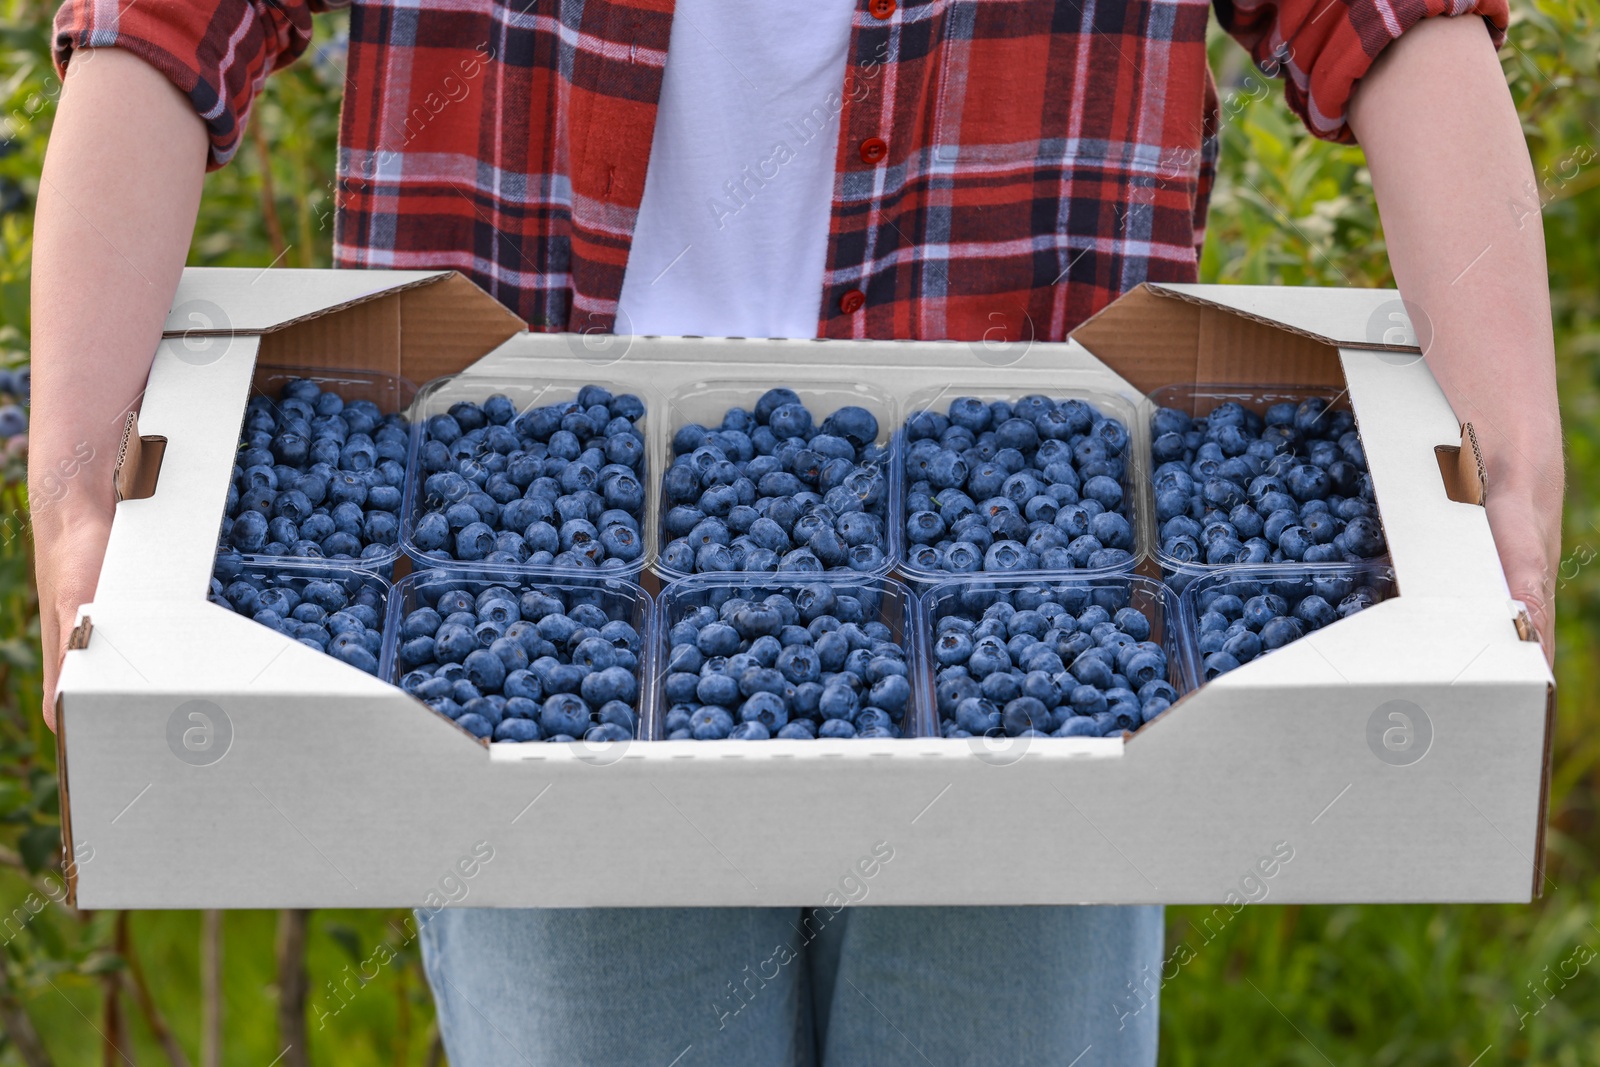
<point x="881" y="9"/>
<point x="851" y="301"/>
<point x="873" y="149"/>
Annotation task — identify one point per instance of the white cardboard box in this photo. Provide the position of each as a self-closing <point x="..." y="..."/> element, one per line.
<point x="322" y="786"/>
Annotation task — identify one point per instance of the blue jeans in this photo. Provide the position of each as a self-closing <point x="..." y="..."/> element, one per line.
<point x="764" y="987"/>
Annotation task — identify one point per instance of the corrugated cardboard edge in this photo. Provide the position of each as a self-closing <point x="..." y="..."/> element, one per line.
<point x="1476" y="471"/>
<point x="138" y="461"/>
<point x="321" y="312"/>
<point x="1544" y="790"/>
<point x="1157" y="289"/>
<point x="1461" y="466"/>
<point x="69" y="864"/>
<point x="1161" y="290"/>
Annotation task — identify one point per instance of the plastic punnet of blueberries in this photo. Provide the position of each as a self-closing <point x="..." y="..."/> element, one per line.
<point x="519" y="662"/>
<point x="1002" y="486"/>
<point x="340" y="613"/>
<point x="1071" y="659"/>
<point x="772" y="489"/>
<point x="1241" y="617"/>
<point x="556" y="486"/>
<point x="317" y="477"/>
<point x="819" y="660"/>
<point x="1287" y="485"/>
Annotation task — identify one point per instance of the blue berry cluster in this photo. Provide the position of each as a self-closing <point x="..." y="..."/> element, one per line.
<point x="1286" y="486"/>
<point x="15" y="382"/>
<point x="342" y="616"/>
<point x="796" y="663"/>
<point x="1031" y="485"/>
<point x="771" y="490"/>
<point x="1047" y="660"/>
<point x="1241" y="619"/>
<point x="545" y="664"/>
<point x="317" y="477"/>
<point x="558" y="485"/>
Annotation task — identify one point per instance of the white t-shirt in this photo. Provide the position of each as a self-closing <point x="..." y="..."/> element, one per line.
<point x="733" y="227"/>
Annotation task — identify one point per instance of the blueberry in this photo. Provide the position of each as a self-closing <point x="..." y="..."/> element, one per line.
<point x="1281" y="631"/>
<point x="710" y="723"/>
<point x="564" y="713"/>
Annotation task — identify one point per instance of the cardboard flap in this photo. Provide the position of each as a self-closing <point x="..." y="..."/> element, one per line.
<point x="1462" y="468"/>
<point x="138" y="461"/>
<point x="222" y="300"/>
<point x="1156" y="335"/>
<point x="1344" y="318"/>
<point x="414" y="324"/>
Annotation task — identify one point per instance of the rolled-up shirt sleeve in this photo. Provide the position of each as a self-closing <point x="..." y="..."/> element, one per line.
<point x="217" y="52"/>
<point x="1321" y="48"/>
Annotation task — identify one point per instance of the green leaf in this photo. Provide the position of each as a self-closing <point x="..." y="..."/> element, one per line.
<point x="39" y="846"/>
<point x="346" y="938"/>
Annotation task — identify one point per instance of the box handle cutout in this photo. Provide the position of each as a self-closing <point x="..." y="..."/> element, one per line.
<point x="138" y="461"/>
<point x="1461" y="466"/>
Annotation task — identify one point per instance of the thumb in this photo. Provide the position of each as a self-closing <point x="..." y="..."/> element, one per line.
<point x="67" y="570"/>
<point x="1529" y="551"/>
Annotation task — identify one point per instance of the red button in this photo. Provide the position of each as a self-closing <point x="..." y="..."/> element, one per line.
<point x="873" y="149"/>
<point x="851" y="302"/>
<point x="881" y="9"/>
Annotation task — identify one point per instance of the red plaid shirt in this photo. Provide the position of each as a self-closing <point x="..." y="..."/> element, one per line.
<point x="1041" y="157"/>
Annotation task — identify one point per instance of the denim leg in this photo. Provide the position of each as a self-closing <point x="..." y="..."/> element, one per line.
<point x="691" y="987"/>
<point x="1012" y="985"/>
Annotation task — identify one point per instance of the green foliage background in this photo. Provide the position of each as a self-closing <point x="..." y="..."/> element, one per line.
<point x="1413" y="985"/>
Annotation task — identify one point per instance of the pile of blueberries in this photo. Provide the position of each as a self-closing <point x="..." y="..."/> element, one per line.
<point x="558" y="485"/>
<point x="1287" y="486"/>
<point x="1001" y="486"/>
<point x="806" y="662"/>
<point x="342" y="616"/>
<point x="771" y="490"/>
<point x="1243" y="618"/>
<point x="523" y="664"/>
<point x="317" y="477"/>
<point x="1046" y="660"/>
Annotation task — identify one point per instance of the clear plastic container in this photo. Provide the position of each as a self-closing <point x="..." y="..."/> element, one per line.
<point x="969" y="596"/>
<point x="885" y="600"/>
<point x="390" y="393"/>
<point x="436" y="398"/>
<point x="707" y="403"/>
<point x="1200" y="399"/>
<point x="1331" y="581"/>
<point x="296" y="576"/>
<point x="1106" y="403"/>
<point x="618" y="598"/>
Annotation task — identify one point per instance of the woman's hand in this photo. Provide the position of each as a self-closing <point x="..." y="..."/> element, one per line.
<point x="117" y="203"/>
<point x="1448" y="164"/>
